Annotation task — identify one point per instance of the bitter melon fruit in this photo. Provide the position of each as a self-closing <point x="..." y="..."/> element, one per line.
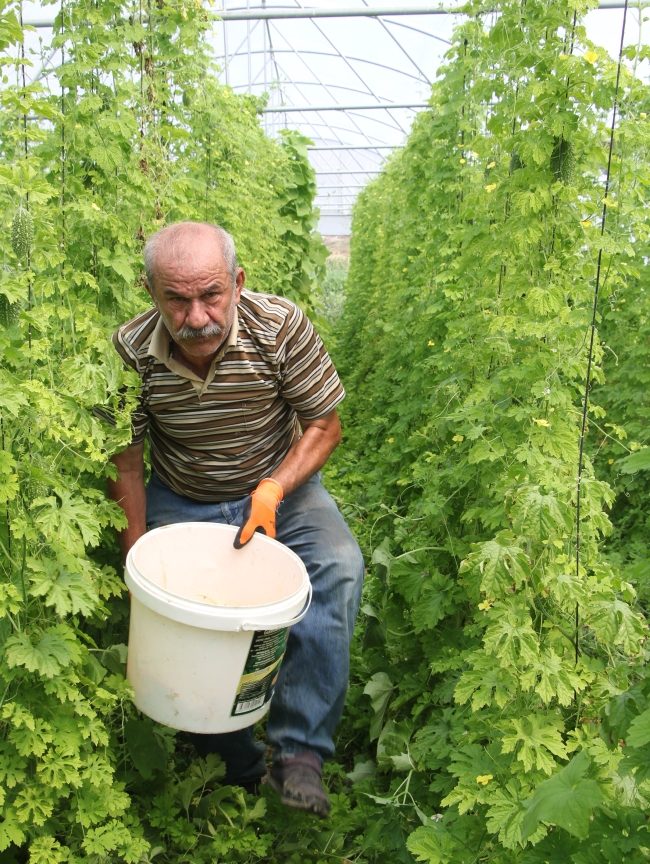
<point x="22" y="232"/>
<point x="563" y="161"/>
<point x="9" y="312"/>
<point x="515" y="162"/>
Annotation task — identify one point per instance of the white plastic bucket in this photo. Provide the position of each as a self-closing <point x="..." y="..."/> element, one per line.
<point x="209" y="624"/>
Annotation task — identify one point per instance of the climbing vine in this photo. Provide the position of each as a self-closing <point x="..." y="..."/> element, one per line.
<point x="129" y="133"/>
<point x="498" y="656"/>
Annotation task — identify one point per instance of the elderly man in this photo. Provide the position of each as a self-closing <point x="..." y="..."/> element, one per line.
<point x="239" y="401"/>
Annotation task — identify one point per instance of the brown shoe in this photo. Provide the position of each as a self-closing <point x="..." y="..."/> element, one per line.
<point x="298" y="781"/>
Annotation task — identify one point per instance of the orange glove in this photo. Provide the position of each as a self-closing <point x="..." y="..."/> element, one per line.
<point x="259" y="512"/>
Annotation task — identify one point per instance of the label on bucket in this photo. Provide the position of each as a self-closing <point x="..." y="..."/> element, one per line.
<point x="261" y="670"/>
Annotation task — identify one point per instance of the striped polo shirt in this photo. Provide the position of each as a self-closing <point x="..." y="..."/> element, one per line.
<point x="215" y="439"/>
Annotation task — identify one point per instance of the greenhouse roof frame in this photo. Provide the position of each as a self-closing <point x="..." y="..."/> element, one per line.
<point x="304" y="72"/>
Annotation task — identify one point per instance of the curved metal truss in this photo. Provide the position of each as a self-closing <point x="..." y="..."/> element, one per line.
<point x="353" y="86"/>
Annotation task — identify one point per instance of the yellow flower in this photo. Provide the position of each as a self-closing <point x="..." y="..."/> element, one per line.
<point x="541" y="422"/>
<point x="77" y="125"/>
<point x="492" y="164"/>
<point x="462" y="161"/>
<point x="458" y="438"/>
<point x="491" y="187"/>
<point x="590" y="56"/>
<point x="390" y="440"/>
<point x="484" y="779"/>
<point x="404" y="269"/>
<point x="563" y="56"/>
<point x="585" y="223"/>
<point x="431" y="343"/>
<point x="643" y="115"/>
<point x="485" y="605"/>
<point x="94" y="206"/>
<point x="610" y="461"/>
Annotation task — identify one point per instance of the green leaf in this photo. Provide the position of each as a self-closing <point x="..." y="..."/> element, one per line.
<point x="534" y="738"/>
<point x="362" y="771"/>
<point x="487" y="682"/>
<point x="565" y="800"/>
<point x="434" y="602"/>
<point x="70" y="522"/>
<point x="46" y="652"/>
<point x="639" y="461"/>
<point x="510" y="635"/>
<point x="431" y="845"/>
<point x="540" y="516"/>
<point x="638" y="735"/>
<point x="8" y="479"/>
<point x="106" y="838"/>
<point x="11" y="398"/>
<point x="10" y="600"/>
<point x="93" y="669"/>
<point x="146" y="751"/>
<point x="69" y="593"/>
<point x="483" y="451"/>
<point x="501" y="562"/>
<point x="114" y="659"/>
<point x="11" y="829"/>
<point x="379" y="688"/>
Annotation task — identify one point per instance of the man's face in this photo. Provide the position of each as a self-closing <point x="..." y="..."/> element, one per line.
<point x="196" y="299"/>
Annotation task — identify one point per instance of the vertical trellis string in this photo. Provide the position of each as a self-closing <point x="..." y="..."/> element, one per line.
<point x="585" y="403"/>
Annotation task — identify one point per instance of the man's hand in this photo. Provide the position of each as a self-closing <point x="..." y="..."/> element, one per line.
<point x="128" y="491"/>
<point x="259" y="512"/>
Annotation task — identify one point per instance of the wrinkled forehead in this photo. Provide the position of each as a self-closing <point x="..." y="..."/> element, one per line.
<point x="191" y="254"/>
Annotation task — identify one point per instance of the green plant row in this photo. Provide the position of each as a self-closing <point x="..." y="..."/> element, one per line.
<point x="130" y="133"/>
<point x="506" y="715"/>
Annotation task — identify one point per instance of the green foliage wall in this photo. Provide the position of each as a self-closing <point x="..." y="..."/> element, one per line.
<point x="494" y="657"/>
<point x="135" y="134"/>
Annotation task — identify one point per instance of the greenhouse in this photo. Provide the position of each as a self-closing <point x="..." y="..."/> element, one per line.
<point x="454" y="199"/>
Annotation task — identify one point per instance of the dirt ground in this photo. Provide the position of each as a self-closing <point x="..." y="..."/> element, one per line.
<point x="338" y="245"/>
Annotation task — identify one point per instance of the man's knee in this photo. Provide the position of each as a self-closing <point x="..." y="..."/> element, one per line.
<point x="349" y="566"/>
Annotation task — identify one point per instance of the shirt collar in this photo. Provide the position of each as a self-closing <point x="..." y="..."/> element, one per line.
<point x="161" y="345"/>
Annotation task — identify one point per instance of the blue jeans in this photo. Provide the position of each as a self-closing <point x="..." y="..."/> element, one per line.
<point x="313" y="680"/>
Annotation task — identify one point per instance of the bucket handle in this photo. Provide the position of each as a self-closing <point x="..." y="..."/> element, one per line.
<point x="247" y="625"/>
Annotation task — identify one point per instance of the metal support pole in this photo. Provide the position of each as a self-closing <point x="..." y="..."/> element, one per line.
<point x="265" y="61"/>
<point x="358" y="147"/>
<point x="355" y="12"/>
<point x="389" y="106"/>
<point x="248" y="45"/>
<point x="339" y="173"/>
<point x="225" y="49"/>
<point x="266" y="125"/>
<point x="375" y="12"/>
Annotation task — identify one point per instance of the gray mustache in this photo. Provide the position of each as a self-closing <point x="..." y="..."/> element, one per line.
<point x="187" y="332"/>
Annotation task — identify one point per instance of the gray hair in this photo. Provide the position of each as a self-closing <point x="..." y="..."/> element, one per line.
<point x="172" y="237"/>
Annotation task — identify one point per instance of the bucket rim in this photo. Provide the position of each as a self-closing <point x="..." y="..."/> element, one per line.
<point x="212" y="609"/>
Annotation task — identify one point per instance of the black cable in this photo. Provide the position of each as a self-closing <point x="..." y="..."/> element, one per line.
<point x="585" y="405"/>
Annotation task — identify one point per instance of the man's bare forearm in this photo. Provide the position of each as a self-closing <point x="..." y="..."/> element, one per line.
<point x="320" y="439"/>
<point x="128" y="491"/>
